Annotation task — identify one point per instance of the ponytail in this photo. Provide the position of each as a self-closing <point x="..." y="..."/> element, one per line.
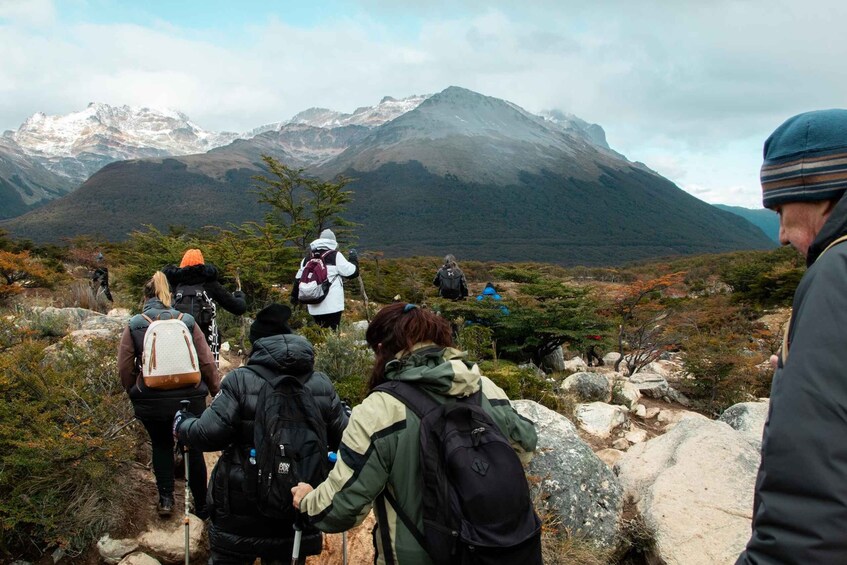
<point x="158" y="287"/>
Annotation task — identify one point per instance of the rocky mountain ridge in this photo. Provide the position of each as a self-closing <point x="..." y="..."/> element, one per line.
<point x="70" y="148"/>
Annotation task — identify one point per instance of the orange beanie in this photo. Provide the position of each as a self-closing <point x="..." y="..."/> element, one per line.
<point x="192" y="257"/>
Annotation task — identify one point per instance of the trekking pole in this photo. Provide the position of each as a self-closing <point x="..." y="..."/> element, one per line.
<point x="298" y="536"/>
<point x="185" y="405"/>
<point x="333" y="457"/>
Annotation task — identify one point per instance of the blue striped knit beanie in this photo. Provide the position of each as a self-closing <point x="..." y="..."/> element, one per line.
<point x="806" y="159"/>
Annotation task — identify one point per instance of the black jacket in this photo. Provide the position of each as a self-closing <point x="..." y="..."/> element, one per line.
<point x="800" y="506"/>
<point x="207" y="275"/>
<point x="228" y="424"/>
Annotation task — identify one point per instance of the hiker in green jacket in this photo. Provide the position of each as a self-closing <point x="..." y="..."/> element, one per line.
<point x="380" y="447"/>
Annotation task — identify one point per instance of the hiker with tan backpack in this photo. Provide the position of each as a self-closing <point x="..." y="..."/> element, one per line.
<point x="164" y="358"/>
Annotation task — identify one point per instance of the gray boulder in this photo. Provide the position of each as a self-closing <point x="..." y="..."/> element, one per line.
<point x="599" y="418"/>
<point x="113" y="550"/>
<point x="626" y="394"/>
<point x="588" y="386"/>
<point x="554" y="362"/>
<point x="575" y="364"/>
<point x="694" y="487"/>
<point x="748" y="418"/>
<point x="650" y="384"/>
<point x="139" y="559"/>
<point x="573" y="482"/>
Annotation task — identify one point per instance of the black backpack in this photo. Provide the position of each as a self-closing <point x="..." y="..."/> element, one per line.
<point x="193" y="299"/>
<point x="450" y="283"/>
<point x="476" y="503"/>
<point x="290" y="439"/>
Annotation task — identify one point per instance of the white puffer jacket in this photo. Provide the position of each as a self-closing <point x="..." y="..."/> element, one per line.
<point x="334" y="301"/>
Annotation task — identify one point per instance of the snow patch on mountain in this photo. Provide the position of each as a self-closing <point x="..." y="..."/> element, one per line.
<point x="366" y="116"/>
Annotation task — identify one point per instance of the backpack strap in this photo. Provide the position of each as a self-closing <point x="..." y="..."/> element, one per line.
<point x="407" y="521"/>
<point x="412" y="396"/>
<point x="421" y="404"/>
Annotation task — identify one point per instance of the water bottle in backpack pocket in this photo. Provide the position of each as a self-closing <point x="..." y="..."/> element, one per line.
<point x="290" y="442"/>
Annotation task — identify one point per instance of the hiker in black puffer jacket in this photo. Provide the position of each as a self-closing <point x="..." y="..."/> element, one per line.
<point x="238" y="532"/>
<point x="195" y="274"/>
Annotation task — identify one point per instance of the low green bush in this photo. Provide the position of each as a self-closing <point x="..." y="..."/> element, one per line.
<point x="64" y="446"/>
<point x="347" y="361"/>
<point x="521" y="383"/>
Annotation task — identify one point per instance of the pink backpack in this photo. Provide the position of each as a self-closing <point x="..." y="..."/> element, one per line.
<point x="314" y="283"/>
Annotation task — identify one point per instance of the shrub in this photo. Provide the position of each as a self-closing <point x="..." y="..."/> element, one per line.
<point x="346" y="361"/>
<point x="521" y="383"/>
<point x="63" y="446"/>
<point x="476" y="340"/>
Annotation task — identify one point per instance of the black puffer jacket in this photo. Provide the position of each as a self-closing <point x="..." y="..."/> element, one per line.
<point x="236" y="526"/>
<point x="207" y="275"/>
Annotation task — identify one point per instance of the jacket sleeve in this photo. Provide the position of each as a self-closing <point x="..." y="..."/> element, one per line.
<point x="518" y="430"/>
<point x="437" y="280"/>
<point x="208" y="369"/>
<point x="216" y="428"/>
<point x="800" y="507"/>
<point x="363" y="466"/>
<point x="464" y="286"/>
<point x="345" y="268"/>
<point x="235" y="302"/>
<point x="126" y="360"/>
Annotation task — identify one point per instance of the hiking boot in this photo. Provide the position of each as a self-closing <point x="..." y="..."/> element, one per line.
<point x="165" y="507"/>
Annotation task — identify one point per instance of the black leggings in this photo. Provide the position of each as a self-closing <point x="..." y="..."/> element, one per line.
<point x="330" y="321"/>
<point x="161" y="436"/>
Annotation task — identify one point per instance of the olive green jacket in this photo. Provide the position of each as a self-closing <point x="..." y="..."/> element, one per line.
<point x="380" y="449"/>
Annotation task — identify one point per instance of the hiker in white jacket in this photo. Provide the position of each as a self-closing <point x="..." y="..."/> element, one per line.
<point x="327" y="313"/>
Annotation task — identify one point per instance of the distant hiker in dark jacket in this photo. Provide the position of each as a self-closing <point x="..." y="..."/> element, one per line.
<point x="450" y="280"/>
<point x="155" y="408"/>
<point x="800" y="504"/>
<point x="380" y="448"/>
<point x="195" y="275"/>
<point x="327" y="313"/>
<point x="238" y="532"/>
<point x="100" y="277"/>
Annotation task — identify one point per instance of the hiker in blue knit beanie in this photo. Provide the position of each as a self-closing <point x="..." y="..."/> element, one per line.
<point x="800" y="503"/>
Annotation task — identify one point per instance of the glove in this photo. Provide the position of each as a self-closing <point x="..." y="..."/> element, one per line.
<point x="179" y="418"/>
<point x="353" y="256"/>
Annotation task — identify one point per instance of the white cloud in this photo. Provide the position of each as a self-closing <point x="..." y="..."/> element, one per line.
<point x="28" y="12"/>
<point x="691" y="89"/>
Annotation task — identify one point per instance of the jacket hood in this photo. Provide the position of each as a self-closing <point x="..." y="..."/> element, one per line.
<point x="191" y="275"/>
<point x="324" y="244"/>
<point x="835" y="227"/>
<point x="445" y="371"/>
<point x="489" y="291"/>
<point x="288" y="354"/>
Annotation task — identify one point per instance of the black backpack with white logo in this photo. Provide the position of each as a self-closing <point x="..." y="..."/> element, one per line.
<point x="450" y="283"/>
<point x="290" y="439"/>
<point x="476" y="503"/>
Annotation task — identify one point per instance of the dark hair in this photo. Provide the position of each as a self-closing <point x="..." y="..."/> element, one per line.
<point x="399" y="327"/>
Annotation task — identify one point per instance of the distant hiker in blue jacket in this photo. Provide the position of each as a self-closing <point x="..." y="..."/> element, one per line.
<point x="490" y="293"/>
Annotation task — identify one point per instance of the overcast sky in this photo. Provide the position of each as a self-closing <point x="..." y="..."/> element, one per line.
<point x="691" y="88"/>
